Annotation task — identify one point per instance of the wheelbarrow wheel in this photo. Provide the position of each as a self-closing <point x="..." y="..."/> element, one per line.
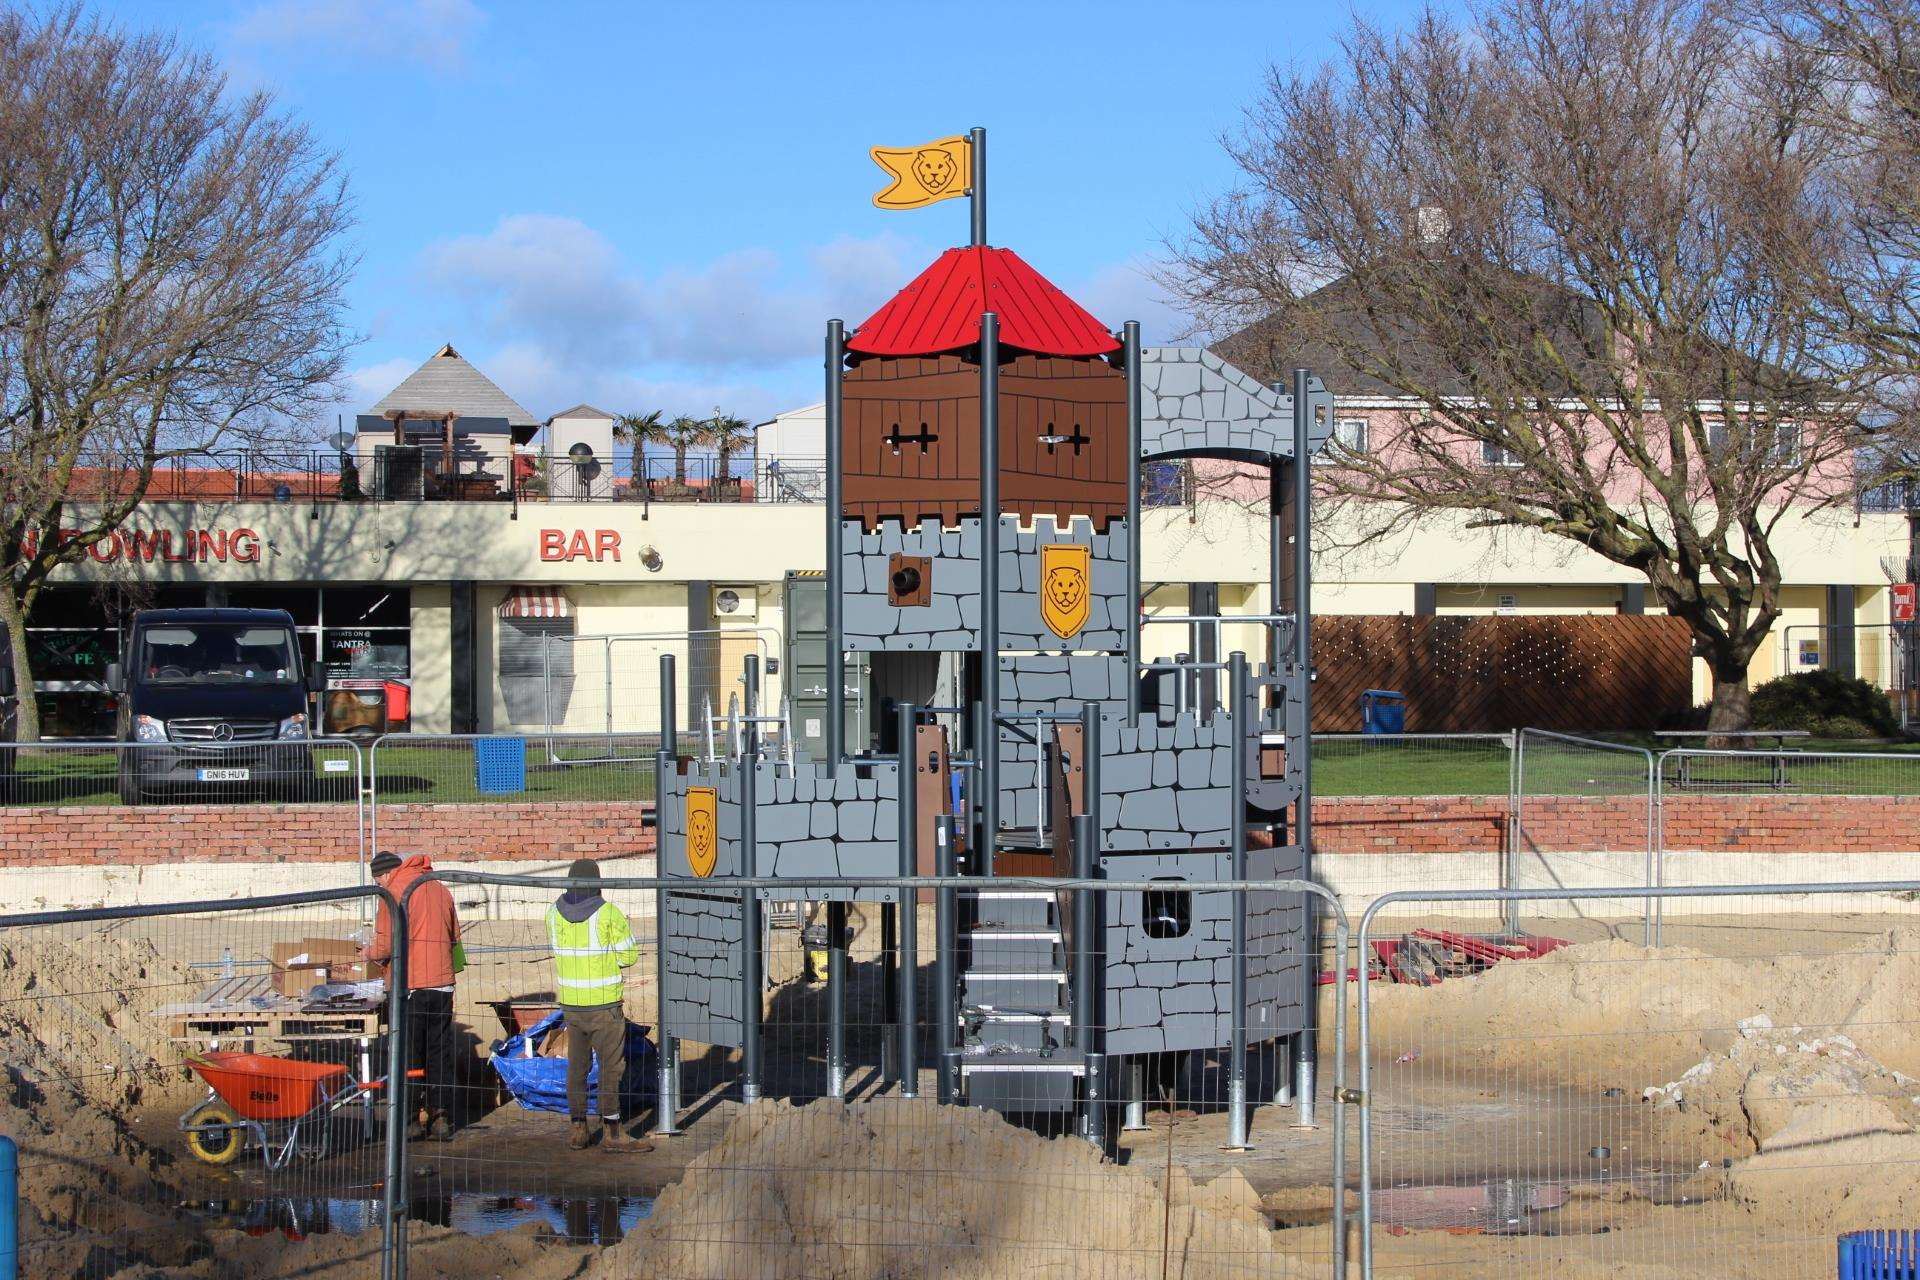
<point x="208" y="1141"/>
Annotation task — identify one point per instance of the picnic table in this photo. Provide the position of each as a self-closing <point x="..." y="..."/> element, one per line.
<point x="246" y="1008"/>
<point x="1777" y="759"/>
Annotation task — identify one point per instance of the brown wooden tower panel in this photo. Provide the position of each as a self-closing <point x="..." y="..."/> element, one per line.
<point x="910" y="440"/>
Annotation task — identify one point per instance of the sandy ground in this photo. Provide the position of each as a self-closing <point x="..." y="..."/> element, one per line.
<point x="1723" y="1104"/>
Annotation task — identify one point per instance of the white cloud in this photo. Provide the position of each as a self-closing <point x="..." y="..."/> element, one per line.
<point x="432" y="33"/>
<point x="1127" y="291"/>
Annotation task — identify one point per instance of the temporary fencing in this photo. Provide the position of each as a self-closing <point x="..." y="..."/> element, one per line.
<point x="1723" y="1105"/>
<point x="131" y="1038"/>
<point x="611" y="683"/>
<point x="1584" y="814"/>
<point x="899" y="1182"/>
<point x="533" y="772"/>
<point x="211" y="771"/>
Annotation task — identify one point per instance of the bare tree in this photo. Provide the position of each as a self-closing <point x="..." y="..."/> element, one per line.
<point x="171" y="268"/>
<point x="1574" y="239"/>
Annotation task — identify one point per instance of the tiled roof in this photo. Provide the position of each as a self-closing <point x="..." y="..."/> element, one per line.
<point x="447" y="382"/>
<point x="940" y="310"/>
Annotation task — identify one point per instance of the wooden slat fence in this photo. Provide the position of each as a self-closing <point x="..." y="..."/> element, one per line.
<point x="1484" y="674"/>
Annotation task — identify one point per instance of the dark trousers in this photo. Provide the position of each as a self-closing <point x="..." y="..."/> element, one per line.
<point x="601" y="1032"/>
<point x="430" y="1046"/>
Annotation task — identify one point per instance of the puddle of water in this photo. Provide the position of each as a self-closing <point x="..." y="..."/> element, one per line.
<point x="1505" y="1207"/>
<point x="600" y="1220"/>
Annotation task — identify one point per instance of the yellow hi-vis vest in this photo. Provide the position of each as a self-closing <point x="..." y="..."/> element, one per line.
<point x="588" y="956"/>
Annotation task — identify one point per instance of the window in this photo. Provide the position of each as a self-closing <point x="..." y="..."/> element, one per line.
<point x="1166" y="913"/>
<point x="1498" y="455"/>
<point x="1165" y="484"/>
<point x="1786" y="439"/>
<point x="1349" y="436"/>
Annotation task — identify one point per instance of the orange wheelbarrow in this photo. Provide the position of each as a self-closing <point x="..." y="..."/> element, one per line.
<point x="283" y="1106"/>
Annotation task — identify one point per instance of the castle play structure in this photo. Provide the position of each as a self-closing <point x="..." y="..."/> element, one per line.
<point x="986" y="440"/>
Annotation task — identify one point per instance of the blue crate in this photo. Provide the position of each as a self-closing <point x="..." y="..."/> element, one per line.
<point x="1383" y="711"/>
<point x="500" y="766"/>
<point x="1880" y="1255"/>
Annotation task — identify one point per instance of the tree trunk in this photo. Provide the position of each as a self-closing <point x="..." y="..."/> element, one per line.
<point x="1729" y="708"/>
<point x="680" y="465"/>
<point x="15" y="617"/>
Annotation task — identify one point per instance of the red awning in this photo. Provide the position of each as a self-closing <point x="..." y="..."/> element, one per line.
<point x="940" y="310"/>
<point x="536" y="602"/>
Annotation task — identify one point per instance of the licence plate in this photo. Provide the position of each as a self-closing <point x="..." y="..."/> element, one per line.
<point x="224" y="775"/>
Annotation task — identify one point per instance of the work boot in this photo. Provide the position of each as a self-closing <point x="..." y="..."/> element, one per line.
<point x="616" y="1139"/>
<point x="580" y="1137"/>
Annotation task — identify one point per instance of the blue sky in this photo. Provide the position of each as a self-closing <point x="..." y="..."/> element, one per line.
<point x="644" y="205"/>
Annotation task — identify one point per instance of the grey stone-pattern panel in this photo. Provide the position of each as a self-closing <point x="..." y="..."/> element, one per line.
<point x="1175" y="993"/>
<point x="812" y="823"/>
<point x="1167" y="786"/>
<point x="948" y="623"/>
<point x="672" y="819"/>
<point x="704" y="959"/>
<point x="1050" y="683"/>
<point x="1021" y="626"/>
<point x="1193" y="402"/>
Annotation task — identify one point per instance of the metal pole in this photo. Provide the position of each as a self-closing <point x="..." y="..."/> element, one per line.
<point x="1516" y="829"/>
<point x="987" y="750"/>
<point x="944" y="903"/>
<point x="9" y="1209"/>
<point x="750" y="982"/>
<point x="1130" y="347"/>
<point x="1134" y="1118"/>
<point x="393" y="1192"/>
<point x="1237" y="827"/>
<point x="1089" y="1005"/>
<point x="836" y="743"/>
<point x="977" y="183"/>
<point x="907" y="1039"/>
<point x="1304" y="1043"/>
<point x="889" y="992"/>
<point x="667" y="1085"/>
<point x="1340" y="1097"/>
<point x="836" y="999"/>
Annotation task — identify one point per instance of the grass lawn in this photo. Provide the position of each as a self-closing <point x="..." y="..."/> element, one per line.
<point x="589" y="770"/>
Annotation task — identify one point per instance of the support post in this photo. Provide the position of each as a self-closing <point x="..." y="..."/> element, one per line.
<point x="889" y="991"/>
<point x="907" y="1037"/>
<point x="750" y="979"/>
<point x="9" y="1209"/>
<point x="987" y="750"/>
<point x="1304" y="1043"/>
<point x="836" y="999"/>
<point x="977" y="183"/>
<point x="836" y="743"/>
<point x="667" y="1066"/>
<point x="393" y="1193"/>
<point x="1134" y="1118"/>
<point x="1130" y="347"/>
<point x="1237" y="827"/>
<point x="1089" y="1004"/>
<point x="944" y="1013"/>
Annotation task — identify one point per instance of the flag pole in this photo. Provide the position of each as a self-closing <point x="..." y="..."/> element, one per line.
<point x="977" y="183"/>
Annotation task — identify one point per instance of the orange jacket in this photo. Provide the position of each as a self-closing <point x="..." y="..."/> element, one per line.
<point x="432" y="926"/>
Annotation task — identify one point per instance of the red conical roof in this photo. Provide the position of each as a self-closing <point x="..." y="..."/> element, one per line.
<point x="940" y="310"/>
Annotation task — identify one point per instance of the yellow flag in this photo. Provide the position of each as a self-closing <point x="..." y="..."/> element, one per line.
<point x="938" y="170"/>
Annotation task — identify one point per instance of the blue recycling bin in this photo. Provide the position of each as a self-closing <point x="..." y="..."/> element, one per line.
<point x="1383" y="711"/>
<point x="1880" y="1255"/>
<point x="500" y="766"/>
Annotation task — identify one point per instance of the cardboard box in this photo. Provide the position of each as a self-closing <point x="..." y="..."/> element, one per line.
<point x="299" y="967"/>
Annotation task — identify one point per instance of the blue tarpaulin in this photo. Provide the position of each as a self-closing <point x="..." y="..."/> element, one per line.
<point x="540" y="1084"/>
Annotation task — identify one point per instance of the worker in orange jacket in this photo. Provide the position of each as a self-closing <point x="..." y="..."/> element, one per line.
<point x="433" y="931"/>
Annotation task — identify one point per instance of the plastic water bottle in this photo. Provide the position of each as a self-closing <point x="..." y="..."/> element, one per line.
<point x="226" y="962"/>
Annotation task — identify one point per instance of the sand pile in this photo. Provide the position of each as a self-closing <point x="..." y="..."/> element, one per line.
<point x="900" y="1190"/>
<point x="1619" y="1009"/>
<point x="81" y="1055"/>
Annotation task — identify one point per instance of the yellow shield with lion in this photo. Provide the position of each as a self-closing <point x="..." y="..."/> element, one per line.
<point x="1066" y="587"/>
<point x="703" y="830"/>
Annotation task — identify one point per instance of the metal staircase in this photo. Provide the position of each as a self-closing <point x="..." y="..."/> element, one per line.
<point x="1016" y="1054"/>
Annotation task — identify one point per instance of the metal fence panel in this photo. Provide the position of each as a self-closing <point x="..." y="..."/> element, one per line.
<point x="1725" y="1104"/>
<point x="1584" y="814"/>
<point x="179" y="1071"/>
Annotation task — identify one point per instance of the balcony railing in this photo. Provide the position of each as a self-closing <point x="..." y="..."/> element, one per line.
<point x="424" y="474"/>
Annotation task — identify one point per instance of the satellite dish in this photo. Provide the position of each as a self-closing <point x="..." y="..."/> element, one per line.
<point x="283" y="492"/>
<point x="342" y="440"/>
<point x="581" y="451"/>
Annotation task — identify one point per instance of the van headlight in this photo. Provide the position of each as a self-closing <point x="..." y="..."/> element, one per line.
<point x="294" y="726"/>
<point x="148" y="729"/>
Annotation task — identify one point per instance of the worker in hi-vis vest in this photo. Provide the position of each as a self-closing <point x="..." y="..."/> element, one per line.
<point x="592" y="947"/>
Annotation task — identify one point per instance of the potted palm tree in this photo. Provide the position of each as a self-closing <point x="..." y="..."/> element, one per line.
<point x="727" y="435"/>
<point x="683" y="434"/>
<point x="641" y="430"/>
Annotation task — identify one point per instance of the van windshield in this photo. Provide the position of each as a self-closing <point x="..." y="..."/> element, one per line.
<point x="217" y="651"/>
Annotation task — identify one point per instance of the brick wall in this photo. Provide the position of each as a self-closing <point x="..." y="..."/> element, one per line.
<point x="97" y="834"/>
<point x="553" y="832"/>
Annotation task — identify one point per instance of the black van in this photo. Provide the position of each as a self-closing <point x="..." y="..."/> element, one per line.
<point x="226" y="692"/>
